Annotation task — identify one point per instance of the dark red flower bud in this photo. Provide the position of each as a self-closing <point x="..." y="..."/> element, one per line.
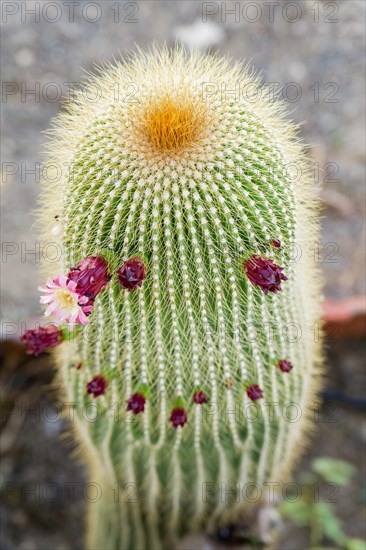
<point x="264" y="273"/>
<point x="132" y="273"/>
<point x="41" y="338"/>
<point x="276" y="243"/>
<point x="91" y="276"/>
<point x="97" y="386"/>
<point x="199" y="397"/>
<point x="285" y="366"/>
<point x="78" y="366"/>
<point x="178" y="417"/>
<point x="254" y="392"/>
<point x="136" y="403"/>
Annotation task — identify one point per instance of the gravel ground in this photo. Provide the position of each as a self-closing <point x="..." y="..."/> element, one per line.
<point x="314" y="51"/>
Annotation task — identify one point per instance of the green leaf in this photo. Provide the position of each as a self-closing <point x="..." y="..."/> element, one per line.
<point x="355" y="544"/>
<point x="329" y="522"/>
<point x="298" y="512"/>
<point x="334" y="471"/>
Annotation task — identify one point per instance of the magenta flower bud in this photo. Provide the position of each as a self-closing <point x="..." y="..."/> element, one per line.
<point x="285" y="366"/>
<point x="136" y="403"/>
<point x="91" y="276"/>
<point x="178" y="417"/>
<point x="199" y="397"/>
<point x="264" y="273"/>
<point x="276" y="243"/>
<point x="97" y="386"/>
<point x="132" y="273"/>
<point x="42" y="338"/>
<point x="254" y="392"/>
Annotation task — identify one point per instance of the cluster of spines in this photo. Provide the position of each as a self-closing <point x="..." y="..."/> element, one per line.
<point x="203" y="187"/>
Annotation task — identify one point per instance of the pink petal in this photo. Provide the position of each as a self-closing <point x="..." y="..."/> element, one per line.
<point x="60" y="316"/>
<point x="72" y="318"/>
<point x="46" y="289"/>
<point x="71" y="285"/>
<point x="82" y="318"/>
<point x="62" y="281"/>
<point x="46" y="299"/>
<point x="51" y="308"/>
<point x="82" y="299"/>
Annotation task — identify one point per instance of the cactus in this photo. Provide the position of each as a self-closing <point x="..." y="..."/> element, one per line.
<point x="173" y="173"/>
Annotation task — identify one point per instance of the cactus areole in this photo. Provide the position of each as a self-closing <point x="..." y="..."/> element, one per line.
<point x="187" y="281"/>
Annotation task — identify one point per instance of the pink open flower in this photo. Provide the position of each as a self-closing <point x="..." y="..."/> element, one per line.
<point x="64" y="302"/>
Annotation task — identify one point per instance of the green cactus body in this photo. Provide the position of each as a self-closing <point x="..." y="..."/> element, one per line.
<point x="160" y="161"/>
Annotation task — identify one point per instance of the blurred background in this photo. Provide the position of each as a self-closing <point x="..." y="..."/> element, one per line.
<point x="312" y="52"/>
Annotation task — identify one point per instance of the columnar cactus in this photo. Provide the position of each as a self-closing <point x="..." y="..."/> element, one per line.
<point x="187" y="280"/>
